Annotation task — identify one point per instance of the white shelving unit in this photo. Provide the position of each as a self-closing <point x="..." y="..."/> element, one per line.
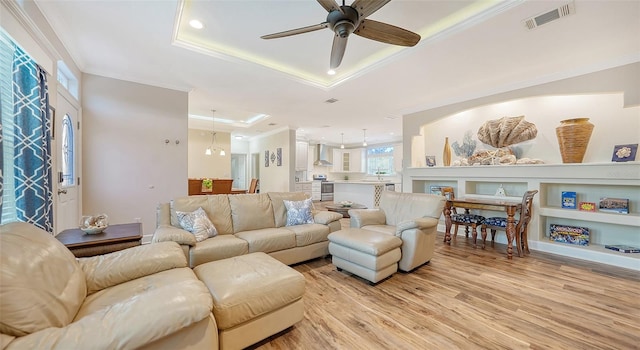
<point x="590" y="181"/>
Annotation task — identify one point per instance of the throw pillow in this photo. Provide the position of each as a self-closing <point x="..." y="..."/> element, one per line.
<point x="197" y="223"/>
<point x="299" y="212"/>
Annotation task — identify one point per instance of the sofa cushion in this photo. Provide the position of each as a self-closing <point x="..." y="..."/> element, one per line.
<point x="399" y="207"/>
<point x="197" y="223"/>
<point x="251" y="212"/>
<point x="43" y="286"/>
<point x="269" y="239"/>
<point x="217" y="208"/>
<point x="309" y="233"/>
<point x="299" y="212"/>
<point x="279" y="210"/>
<point x="217" y="248"/>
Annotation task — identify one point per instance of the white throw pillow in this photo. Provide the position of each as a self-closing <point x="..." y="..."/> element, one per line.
<point x="299" y="212"/>
<point x="197" y="223"/>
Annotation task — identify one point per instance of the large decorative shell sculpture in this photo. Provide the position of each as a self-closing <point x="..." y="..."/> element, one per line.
<point x="507" y="131"/>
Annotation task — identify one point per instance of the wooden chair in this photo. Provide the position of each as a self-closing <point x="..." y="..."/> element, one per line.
<point x="253" y="187"/>
<point x="221" y="186"/>
<point x="500" y="223"/>
<point x="467" y="219"/>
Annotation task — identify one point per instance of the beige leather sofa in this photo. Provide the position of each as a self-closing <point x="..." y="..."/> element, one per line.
<point x="411" y="216"/>
<point x="247" y="223"/>
<point x="139" y="298"/>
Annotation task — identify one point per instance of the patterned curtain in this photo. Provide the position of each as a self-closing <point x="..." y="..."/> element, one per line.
<point x="32" y="144"/>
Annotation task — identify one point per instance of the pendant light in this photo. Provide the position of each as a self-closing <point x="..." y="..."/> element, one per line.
<point x="364" y="138"/>
<point x="209" y="151"/>
<point x="342" y="144"/>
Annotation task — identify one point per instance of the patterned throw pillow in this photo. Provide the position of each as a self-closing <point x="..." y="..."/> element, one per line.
<point x="299" y="212"/>
<point x="197" y="223"/>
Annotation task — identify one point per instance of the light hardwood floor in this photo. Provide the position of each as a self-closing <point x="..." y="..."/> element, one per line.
<point x="468" y="298"/>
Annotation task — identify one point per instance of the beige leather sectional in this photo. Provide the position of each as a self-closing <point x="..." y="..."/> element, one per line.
<point x="247" y="223"/>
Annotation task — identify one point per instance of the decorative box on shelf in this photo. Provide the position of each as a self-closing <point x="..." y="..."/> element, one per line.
<point x="569" y="234"/>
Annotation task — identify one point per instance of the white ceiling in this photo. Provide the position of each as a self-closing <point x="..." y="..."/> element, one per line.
<point x="468" y="49"/>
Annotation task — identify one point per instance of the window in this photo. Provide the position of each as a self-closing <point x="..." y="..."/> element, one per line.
<point x="68" y="172"/>
<point x="380" y="161"/>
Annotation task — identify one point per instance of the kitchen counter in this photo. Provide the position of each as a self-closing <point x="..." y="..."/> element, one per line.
<point x="366" y="193"/>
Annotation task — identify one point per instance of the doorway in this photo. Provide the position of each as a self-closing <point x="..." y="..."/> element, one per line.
<point x="239" y="170"/>
<point x="67" y="145"/>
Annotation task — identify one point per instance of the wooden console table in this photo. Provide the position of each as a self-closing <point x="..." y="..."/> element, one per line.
<point x="486" y="204"/>
<point x="113" y="238"/>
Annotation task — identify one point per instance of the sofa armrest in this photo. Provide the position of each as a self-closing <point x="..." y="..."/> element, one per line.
<point x="326" y="217"/>
<point x="364" y="217"/>
<point x="420" y="224"/>
<point x="168" y="233"/>
<point x="107" y="270"/>
<point x="131" y="323"/>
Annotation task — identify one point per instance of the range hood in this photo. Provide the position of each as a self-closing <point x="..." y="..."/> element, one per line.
<point x="321" y="156"/>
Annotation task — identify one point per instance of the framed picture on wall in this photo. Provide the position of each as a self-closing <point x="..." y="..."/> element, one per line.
<point x="279" y="156"/>
<point x="266" y="158"/>
<point x="624" y="153"/>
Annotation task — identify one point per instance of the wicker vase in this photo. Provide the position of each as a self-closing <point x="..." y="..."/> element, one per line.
<point x="573" y="139"/>
<point x="446" y="153"/>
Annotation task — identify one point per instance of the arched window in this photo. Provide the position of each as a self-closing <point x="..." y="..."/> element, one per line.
<point x="67" y="144"/>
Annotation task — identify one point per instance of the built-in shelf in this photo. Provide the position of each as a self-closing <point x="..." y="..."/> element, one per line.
<point x="590" y="181"/>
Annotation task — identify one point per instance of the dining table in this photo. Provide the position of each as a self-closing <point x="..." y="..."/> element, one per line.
<point x="511" y="207"/>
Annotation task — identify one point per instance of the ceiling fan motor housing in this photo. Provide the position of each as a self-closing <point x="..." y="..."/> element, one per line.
<point x="343" y="23"/>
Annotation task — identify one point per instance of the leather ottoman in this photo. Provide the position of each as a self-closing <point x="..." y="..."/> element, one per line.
<point x="371" y="255"/>
<point x="254" y="296"/>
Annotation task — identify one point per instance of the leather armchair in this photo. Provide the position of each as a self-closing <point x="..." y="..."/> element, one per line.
<point x="411" y="216"/>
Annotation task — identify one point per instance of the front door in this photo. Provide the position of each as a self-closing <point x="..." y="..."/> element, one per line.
<point x="66" y="143"/>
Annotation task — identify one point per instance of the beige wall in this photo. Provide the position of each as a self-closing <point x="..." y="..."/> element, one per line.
<point x="215" y="165"/>
<point x="127" y="166"/>
<point x="277" y="178"/>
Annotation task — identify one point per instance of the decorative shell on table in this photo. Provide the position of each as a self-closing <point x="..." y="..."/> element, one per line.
<point x="507" y="131"/>
<point x="94" y="224"/>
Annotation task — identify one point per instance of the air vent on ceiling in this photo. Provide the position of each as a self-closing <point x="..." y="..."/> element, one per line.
<point x="331" y="100"/>
<point x="544" y="18"/>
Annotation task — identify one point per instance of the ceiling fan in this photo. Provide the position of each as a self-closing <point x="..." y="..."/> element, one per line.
<point x="344" y="20"/>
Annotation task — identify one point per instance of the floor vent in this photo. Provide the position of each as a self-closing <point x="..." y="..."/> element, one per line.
<point x="549" y="16"/>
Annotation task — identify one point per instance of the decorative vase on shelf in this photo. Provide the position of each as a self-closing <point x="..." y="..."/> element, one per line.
<point x="573" y="138"/>
<point x="446" y="153"/>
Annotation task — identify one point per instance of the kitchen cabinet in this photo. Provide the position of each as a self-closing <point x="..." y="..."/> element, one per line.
<point x="591" y="182"/>
<point x="302" y="155"/>
<point x="304" y="187"/>
<point x="349" y="160"/>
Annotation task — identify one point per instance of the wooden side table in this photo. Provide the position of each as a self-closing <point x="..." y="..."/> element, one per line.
<point x="112" y="239"/>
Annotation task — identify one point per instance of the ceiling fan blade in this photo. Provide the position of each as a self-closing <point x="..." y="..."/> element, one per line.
<point x="330" y="5"/>
<point x="367" y="7"/>
<point x="296" y="31"/>
<point x="386" y="33"/>
<point x="337" y="51"/>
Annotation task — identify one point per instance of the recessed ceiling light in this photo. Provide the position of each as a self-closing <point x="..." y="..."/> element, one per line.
<point x="196" y="24"/>
<point x="239" y="137"/>
<point x="331" y="72"/>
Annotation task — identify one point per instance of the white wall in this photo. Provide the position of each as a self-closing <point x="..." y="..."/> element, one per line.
<point x="609" y="97"/>
<point x="614" y="125"/>
<point x="215" y="165"/>
<point x="276" y="178"/>
<point x="127" y="166"/>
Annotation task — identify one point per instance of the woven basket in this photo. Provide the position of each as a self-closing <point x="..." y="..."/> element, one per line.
<point x="573" y="139"/>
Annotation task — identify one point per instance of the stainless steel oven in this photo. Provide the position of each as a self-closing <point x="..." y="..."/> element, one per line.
<point x="326" y="191"/>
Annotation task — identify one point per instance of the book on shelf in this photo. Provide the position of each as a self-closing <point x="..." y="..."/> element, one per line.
<point x="623" y="248"/>
<point x="587" y="206"/>
<point x="614" y="205"/>
<point x="569" y="200"/>
<point x="569" y="234"/>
